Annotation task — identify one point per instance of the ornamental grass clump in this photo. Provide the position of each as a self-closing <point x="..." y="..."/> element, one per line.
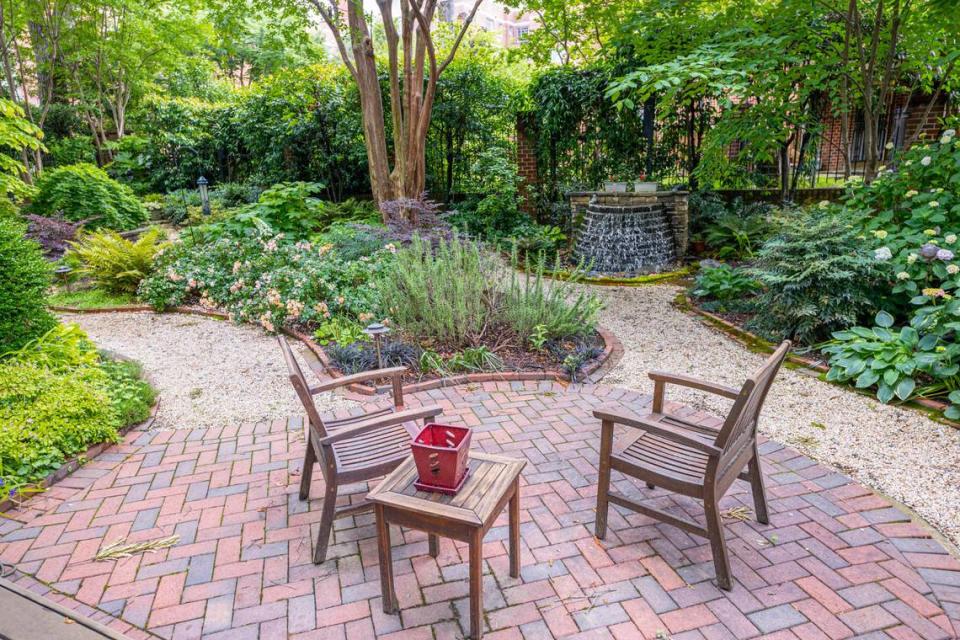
<point x="444" y="295"/>
<point x="553" y="307"/>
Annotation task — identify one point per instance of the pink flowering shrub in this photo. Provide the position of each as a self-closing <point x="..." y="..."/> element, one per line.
<point x="269" y="281"/>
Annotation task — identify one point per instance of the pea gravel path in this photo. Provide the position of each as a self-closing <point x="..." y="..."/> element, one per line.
<point x="897" y="451"/>
<point x="210" y="373"/>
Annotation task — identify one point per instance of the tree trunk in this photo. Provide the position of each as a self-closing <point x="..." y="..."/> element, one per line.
<point x="411" y="103"/>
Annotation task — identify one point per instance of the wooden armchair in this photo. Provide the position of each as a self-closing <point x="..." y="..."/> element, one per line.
<point x="354" y="449"/>
<point x="668" y="451"/>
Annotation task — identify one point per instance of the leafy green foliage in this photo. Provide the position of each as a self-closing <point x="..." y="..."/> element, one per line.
<point x="17" y="134"/>
<point x="115" y="264"/>
<point x="85" y="192"/>
<point x="130" y="395"/>
<point x="724" y="283"/>
<point x="72" y="150"/>
<point x="733" y="236"/>
<point x="818" y="277"/>
<point x="291" y="208"/>
<point x="896" y="362"/>
<point x="341" y="331"/>
<point x="24" y="279"/>
<point x="581" y="138"/>
<point x="495" y="211"/>
<point x="57" y="398"/>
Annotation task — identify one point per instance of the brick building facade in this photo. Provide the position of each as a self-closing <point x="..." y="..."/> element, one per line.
<point x="901" y="126"/>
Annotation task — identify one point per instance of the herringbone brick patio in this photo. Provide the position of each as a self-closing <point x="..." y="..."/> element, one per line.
<point x="837" y="561"/>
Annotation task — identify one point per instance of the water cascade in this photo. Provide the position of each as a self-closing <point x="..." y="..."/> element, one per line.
<point x="625" y="237"/>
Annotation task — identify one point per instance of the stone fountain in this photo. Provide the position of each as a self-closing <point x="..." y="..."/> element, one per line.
<point x="631" y="233"/>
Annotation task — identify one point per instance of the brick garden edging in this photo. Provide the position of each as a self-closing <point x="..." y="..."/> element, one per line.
<point x="593" y="372"/>
<point x="755" y="342"/>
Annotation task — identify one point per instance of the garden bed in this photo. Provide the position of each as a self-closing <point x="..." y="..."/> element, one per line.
<point x="14" y="497"/>
<point x="733" y="325"/>
<point x="321" y="364"/>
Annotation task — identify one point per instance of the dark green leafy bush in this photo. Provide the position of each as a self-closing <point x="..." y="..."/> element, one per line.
<point x="731" y="287"/>
<point x="71" y="150"/>
<point x="24" y="279"/>
<point x="85" y="192"/>
<point x="818" y="277"/>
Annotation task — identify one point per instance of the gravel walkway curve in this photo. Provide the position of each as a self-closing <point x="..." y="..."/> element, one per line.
<point x="210" y="373"/>
<point x="896" y="451"/>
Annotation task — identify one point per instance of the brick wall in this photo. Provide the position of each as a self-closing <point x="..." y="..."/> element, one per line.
<point x="527" y="160"/>
<point x="831" y="153"/>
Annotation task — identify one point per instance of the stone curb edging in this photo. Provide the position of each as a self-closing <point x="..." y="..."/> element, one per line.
<point x="593" y="372"/>
<point x="753" y="341"/>
<point x="75" y="462"/>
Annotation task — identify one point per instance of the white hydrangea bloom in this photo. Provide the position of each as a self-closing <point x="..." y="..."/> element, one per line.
<point x="926" y="160"/>
<point x="883" y="253"/>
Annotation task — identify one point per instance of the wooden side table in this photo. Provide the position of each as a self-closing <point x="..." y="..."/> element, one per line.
<point x="467" y="516"/>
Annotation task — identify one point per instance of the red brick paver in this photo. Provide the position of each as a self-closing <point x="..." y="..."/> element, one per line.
<point x="837" y="560"/>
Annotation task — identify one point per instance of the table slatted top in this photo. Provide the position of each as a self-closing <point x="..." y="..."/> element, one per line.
<point x="491" y="477"/>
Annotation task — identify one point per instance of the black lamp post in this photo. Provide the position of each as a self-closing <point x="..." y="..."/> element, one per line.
<point x="376" y="331"/>
<point x="63" y="273"/>
<point x="204" y="195"/>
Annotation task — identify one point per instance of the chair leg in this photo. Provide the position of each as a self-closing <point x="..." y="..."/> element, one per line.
<point x="603" y="482"/>
<point x="717" y="542"/>
<point x="326" y="523"/>
<point x="759" y="492"/>
<point x="650" y="485"/>
<point x="306" y="475"/>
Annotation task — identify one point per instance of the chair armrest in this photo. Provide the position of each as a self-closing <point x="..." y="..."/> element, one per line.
<point x="694" y="383"/>
<point x="379" y="422"/>
<point x="363" y="376"/>
<point x="667" y="431"/>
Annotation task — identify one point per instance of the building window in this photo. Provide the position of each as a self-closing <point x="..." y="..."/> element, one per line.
<point x="522" y="33"/>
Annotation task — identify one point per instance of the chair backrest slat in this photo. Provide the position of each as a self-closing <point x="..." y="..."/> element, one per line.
<point x="740" y="428"/>
<point x="301" y="387"/>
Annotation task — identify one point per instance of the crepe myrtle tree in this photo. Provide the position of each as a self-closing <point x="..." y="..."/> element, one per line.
<point x="413" y="66"/>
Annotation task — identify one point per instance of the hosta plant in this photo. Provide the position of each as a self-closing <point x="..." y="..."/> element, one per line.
<point x="899" y="363"/>
<point x="724" y="282"/>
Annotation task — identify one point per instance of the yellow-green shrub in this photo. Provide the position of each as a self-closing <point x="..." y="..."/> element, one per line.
<point x="114" y="263"/>
<point x="57" y="398"/>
